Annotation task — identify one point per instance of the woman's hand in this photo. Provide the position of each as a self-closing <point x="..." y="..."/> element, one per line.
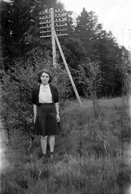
<point x="58" y="118"/>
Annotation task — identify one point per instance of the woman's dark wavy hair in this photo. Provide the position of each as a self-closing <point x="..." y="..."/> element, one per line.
<point x="44" y="71"/>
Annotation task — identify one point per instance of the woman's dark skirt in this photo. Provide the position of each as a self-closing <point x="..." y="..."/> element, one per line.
<point x="46" y="123"/>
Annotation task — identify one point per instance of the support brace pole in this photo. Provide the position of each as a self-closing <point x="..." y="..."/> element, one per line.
<point x="68" y="71"/>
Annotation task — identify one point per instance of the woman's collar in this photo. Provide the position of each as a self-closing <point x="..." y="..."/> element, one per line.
<point x="44" y="85"/>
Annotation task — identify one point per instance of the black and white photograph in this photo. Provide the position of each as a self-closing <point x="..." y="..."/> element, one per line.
<point x="65" y="97"/>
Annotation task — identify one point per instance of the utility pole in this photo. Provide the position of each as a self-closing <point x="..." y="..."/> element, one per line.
<point x="53" y="38"/>
<point x="53" y="23"/>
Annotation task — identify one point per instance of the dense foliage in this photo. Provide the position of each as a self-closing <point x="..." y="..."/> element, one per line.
<point x="17" y="85"/>
<point x="86" y="40"/>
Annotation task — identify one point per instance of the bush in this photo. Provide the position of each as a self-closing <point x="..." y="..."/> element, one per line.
<point x="18" y="82"/>
<point x="89" y="79"/>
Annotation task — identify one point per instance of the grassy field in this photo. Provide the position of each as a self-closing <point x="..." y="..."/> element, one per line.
<point x="90" y="153"/>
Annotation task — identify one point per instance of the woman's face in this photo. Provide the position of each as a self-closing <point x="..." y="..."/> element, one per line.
<point x="44" y="78"/>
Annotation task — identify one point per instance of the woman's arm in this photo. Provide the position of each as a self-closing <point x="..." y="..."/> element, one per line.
<point x="57" y="112"/>
<point x="35" y="111"/>
<point x="57" y="108"/>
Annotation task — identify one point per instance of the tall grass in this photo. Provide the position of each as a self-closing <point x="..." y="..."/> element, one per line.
<point x="89" y="154"/>
<point x="100" y="135"/>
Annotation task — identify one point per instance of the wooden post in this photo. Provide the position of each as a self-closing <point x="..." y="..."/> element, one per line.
<point x="68" y="71"/>
<point x="53" y="38"/>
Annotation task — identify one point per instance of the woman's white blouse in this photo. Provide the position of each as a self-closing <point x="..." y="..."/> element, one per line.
<point x="45" y="95"/>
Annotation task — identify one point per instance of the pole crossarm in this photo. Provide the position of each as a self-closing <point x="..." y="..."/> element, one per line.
<point x="56" y="16"/>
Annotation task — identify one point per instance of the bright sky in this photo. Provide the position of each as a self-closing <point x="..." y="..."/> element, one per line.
<point x="114" y="15"/>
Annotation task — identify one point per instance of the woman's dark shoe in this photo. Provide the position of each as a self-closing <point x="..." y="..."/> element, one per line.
<point x="43" y="158"/>
<point x="51" y="156"/>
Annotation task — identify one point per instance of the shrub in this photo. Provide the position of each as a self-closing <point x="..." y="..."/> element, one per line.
<point x="17" y="86"/>
<point x="89" y="79"/>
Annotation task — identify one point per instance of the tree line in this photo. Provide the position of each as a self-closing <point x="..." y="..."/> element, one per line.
<point x="97" y="62"/>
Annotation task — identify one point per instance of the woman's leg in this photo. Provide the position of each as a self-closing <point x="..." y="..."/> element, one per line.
<point x="44" y="144"/>
<point x="52" y="143"/>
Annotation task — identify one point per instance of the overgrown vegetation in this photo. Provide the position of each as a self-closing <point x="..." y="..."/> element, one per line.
<point x="17" y="85"/>
<point x="90" y="149"/>
<point x="86" y="40"/>
<point x="89" y="153"/>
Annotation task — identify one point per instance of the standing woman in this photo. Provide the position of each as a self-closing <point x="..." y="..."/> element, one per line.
<point x="45" y="100"/>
